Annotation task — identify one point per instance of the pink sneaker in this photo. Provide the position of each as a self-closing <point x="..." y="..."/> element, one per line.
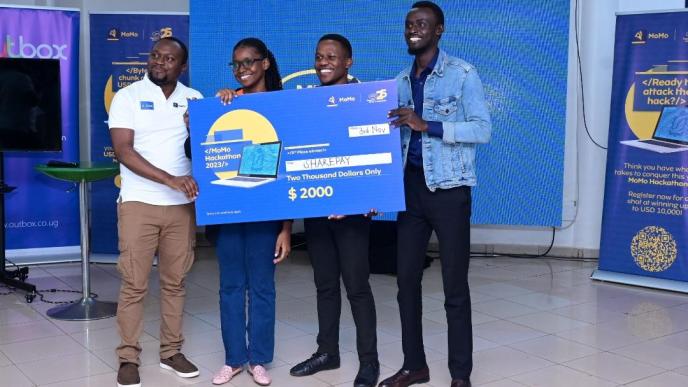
<point x="225" y="374"/>
<point x="260" y="375"/>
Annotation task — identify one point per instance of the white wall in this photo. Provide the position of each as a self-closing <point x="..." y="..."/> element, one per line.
<point x="584" y="162"/>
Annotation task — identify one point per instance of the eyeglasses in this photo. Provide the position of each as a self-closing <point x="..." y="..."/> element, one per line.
<point x="247" y="63"/>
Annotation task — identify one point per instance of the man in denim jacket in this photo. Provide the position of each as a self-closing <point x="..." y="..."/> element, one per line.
<point x="442" y="116"/>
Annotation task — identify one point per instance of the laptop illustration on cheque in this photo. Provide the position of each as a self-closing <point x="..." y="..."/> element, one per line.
<point x="259" y="164"/>
<point x="671" y="132"/>
<point x="224" y="136"/>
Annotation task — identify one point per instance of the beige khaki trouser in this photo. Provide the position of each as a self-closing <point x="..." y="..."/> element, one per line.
<point x="143" y="230"/>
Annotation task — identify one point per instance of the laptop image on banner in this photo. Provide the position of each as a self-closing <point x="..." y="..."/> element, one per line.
<point x="259" y="165"/>
<point x="671" y="132"/>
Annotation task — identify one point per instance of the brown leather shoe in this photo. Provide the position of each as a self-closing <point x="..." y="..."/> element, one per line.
<point x="180" y="365"/>
<point x="461" y="383"/>
<point x="405" y="378"/>
<point x="128" y="375"/>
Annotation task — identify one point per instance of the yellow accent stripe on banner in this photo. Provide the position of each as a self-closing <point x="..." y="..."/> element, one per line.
<point x="297" y="74"/>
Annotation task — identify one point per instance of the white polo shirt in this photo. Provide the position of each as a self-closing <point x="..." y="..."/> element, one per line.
<point x="159" y="135"/>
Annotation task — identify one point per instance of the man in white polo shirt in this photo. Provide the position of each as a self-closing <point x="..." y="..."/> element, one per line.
<point x="154" y="210"/>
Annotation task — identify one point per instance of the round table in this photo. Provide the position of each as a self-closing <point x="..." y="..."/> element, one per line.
<point x="88" y="308"/>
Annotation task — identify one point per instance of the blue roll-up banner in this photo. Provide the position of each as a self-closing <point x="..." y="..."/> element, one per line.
<point x="42" y="214"/>
<point x="646" y="195"/>
<point x="120" y="43"/>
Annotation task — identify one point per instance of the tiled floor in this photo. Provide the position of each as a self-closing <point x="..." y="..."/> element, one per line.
<point x="536" y="323"/>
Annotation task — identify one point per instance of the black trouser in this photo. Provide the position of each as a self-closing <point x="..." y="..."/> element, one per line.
<point x="447" y="212"/>
<point x="339" y="248"/>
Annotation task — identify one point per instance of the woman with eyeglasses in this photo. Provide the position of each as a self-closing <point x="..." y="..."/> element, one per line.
<point x="248" y="252"/>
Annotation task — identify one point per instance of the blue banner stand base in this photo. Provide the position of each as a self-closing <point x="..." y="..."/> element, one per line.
<point x="639" y="280"/>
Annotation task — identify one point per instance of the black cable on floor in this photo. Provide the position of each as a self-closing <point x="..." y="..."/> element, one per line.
<point x="41" y="295"/>
<point x="551" y="257"/>
<point x="492" y="255"/>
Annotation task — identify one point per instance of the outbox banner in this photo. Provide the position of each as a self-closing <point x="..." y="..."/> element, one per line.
<point x="297" y="154"/>
<point x="646" y="193"/>
<point x="120" y="43"/>
<point x="43" y="212"/>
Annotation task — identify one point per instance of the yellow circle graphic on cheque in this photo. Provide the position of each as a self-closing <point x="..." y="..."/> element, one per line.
<point x="255" y="128"/>
<point x="653" y="249"/>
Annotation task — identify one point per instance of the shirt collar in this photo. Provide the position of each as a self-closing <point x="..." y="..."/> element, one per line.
<point x="427" y="70"/>
<point x="153" y="85"/>
<point x="149" y="82"/>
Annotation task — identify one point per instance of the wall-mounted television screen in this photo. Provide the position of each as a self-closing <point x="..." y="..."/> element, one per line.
<point x="30" y="105"/>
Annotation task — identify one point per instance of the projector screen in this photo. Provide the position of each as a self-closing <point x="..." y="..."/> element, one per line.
<point x="520" y="48"/>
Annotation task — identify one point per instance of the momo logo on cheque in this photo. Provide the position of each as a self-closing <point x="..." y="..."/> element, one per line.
<point x="335" y="101"/>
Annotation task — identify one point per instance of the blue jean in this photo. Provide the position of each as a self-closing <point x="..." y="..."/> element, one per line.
<point x="245" y="252"/>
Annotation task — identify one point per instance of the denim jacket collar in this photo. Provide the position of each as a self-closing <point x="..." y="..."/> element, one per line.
<point x="438" y="70"/>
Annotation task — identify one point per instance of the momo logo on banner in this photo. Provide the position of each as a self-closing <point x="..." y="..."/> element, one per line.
<point x="19" y="48"/>
<point x="114" y="34"/>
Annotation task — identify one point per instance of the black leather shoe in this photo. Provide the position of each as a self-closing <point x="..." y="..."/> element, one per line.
<point x="405" y="378"/>
<point x="367" y="376"/>
<point x="318" y="362"/>
<point x="460" y="383"/>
